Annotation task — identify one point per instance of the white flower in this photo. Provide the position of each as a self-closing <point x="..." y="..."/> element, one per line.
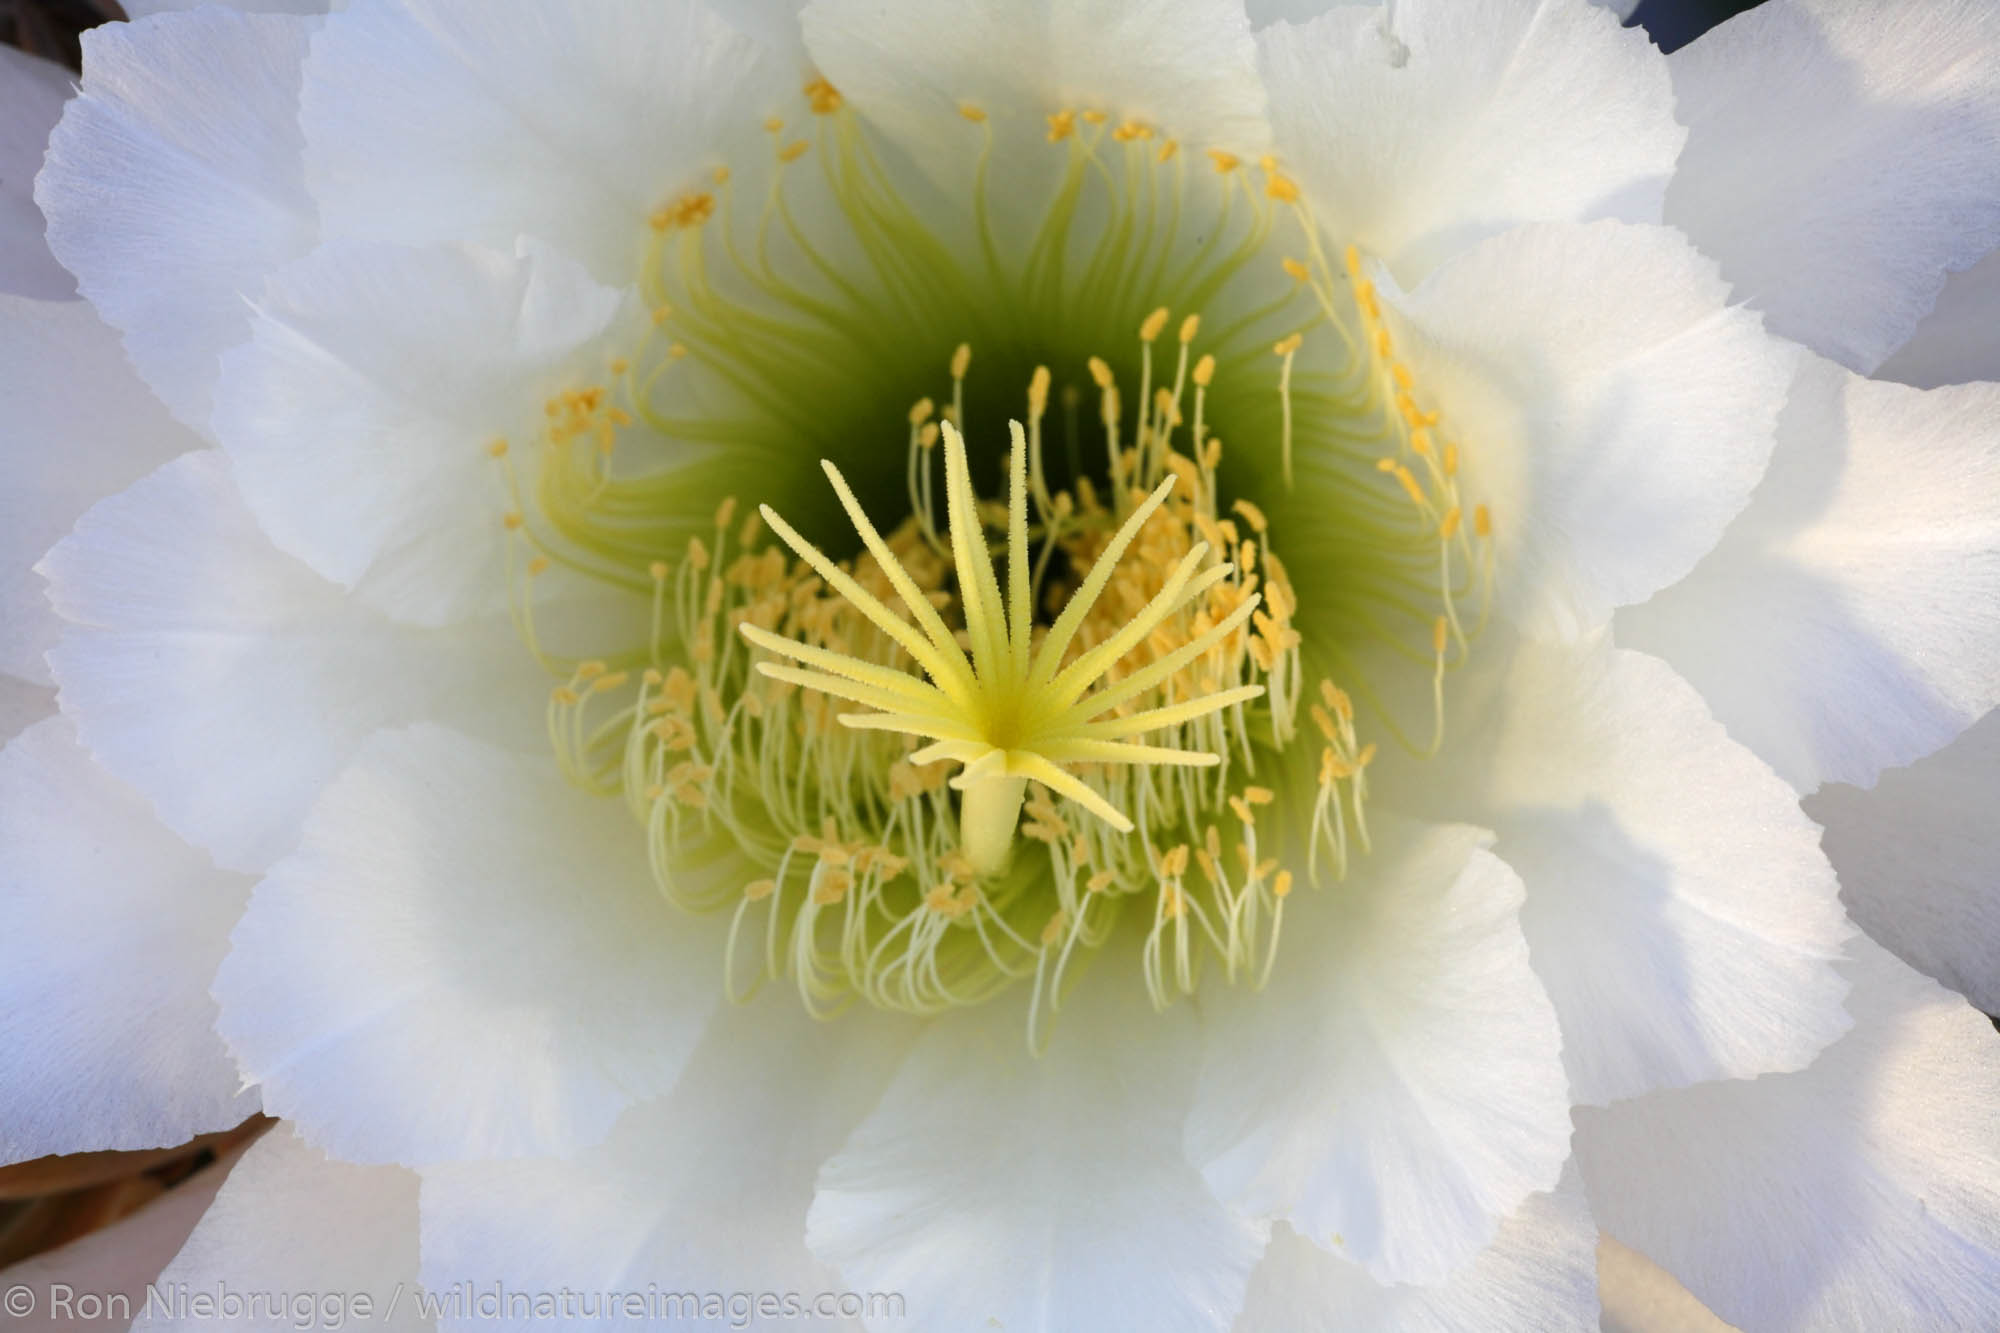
<point x="1449" y="424"/>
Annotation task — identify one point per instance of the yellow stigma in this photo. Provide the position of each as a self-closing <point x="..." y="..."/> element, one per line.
<point x="1010" y="713"/>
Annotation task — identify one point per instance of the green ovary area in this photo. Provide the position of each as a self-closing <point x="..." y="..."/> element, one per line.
<point x="1010" y="556"/>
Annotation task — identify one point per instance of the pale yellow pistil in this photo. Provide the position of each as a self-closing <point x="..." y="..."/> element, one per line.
<point x="1012" y="713"/>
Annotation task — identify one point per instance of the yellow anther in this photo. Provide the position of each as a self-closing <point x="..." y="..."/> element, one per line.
<point x="759" y="889"/>
<point x="1252" y="515"/>
<point x="676" y="351"/>
<point x="774" y="124"/>
<point x="606" y="684"/>
<point x="1241" y="809"/>
<point x="1282" y="188"/>
<point x="1259" y="795"/>
<point x="1453" y="517"/>
<point x="823" y="98"/>
<point x="1053" y="931"/>
<point x="661" y="314"/>
<point x="1204" y="372"/>
<point x="1061" y="125"/>
<point x="1129" y="131"/>
<point x="1189" y="327"/>
<point x="590" y="670"/>
<point x="1401" y="374"/>
<point x="1410" y="486"/>
<point x="961" y="360"/>
<point x="793" y="151"/>
<point x="512" y="520"/>
<point x="921" y="411"/>
<point x="1101" y="373"/>
<point x="725" y="513"/>
<point x="564" y="696"/>
<point x="658" y="570"/>
<point x="1288" y="344"/>
<point x="697" y="555"/>
<point x="1153" y="325"/>
<point x="1420" y="442"/>
<point x="1281" y="884"/>
<point x="1482" y="521"/>
<point x="1175" y="863"/>
<point x="1297" y="271"/>
<point x="1440" y="632"/>
<point x="928" y="436"/>
<point x="975" y="114"/>
<point x="1450" y="460"/>
<point x="1384" y="346"/>
<point x="497" y="449"/>
<point x="1095" y="117"/>
<point x="619" y="365"/>
<point x="1351" y="257"/>
<point x="1038" y="392"/>
<point x="1168" y="149"/>
<point x="720" y="175"/>
<point x="539" y="565"/>
<point x="1224" y="162"/>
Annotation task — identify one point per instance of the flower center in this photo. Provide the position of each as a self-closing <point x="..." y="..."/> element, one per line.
<point x="906" y="775"/>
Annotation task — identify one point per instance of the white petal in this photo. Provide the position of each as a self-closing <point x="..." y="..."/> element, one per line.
<point x="1919" y="861"/>
<point x="32" y="93"/>
<point x="22" y="705"/>
<point x="995" y="1189"/>
<point x="463" y="120"/>
<point x="1423" y="128"/>
<point x="360" y="413"/>
<point x="1397" y="1089"/>
<point x="702" y="1191"/>
<point x="1613" y="411"/>
<point x="228" y="682"/>
<point x="1959" y="340"/>
<point x="139" y="9"/>
<point x="1680" y="910"/>
<point x="465" y="958"/>
<point x="289" y="1222"/>
<point x="1187" y="67"/>
<point x="110" y="929"/>
<point x="173" y="185"/>
<point x="75" y="426"/>
<point x="1841" y="157"/>
<point x="1863" y="1193"/>
<point x="1850" y="618"/>
<point x="1641" y="1297"/>
<point x="1538" y="1276"/>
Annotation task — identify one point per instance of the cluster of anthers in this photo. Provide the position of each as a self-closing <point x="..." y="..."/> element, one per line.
<point x="908" y="785"/>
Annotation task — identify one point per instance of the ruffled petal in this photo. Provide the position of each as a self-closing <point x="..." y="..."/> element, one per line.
<point x="1841" y="158"/>
<point x="1421" y="129"/>
<point x="993" y="1188"/>
<point x="1538" y="1276"/>
<point x="1397" y="1089"/>
<point x="1186" y="67"/>
<point x="288" y="1223"/>
<point x="22" y="705"/>
<point x="361" y="411"/>
<point x="228" y="682"/>
<point x="1959" y="340"/>
<point x="1617" y="413"/>
<point x="702" y="1191"/>
<point x="1679" y="909"/>
<point x="173" y="185"/>
<point x="1919" y="861"/>
<point x="1861" y="1193"/>
<point x="32" y="94"/>
<point x="1850" y="618"/>
<point x="75" y="426"/>
<point x="461" y="120"/>
<point x="465" y="958"/>
<point x="110" y="930"/>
